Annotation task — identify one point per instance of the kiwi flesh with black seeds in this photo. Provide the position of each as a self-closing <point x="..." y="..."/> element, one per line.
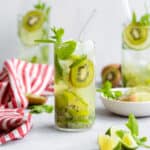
<point x="82" y="73"/>
<point x="33" y="20"/>
<point x="72" y="103"/>
<point x="136" y="36"/>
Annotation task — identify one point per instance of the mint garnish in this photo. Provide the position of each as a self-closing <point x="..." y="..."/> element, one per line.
<point x="65" y="50"/>
<point x="37" y="109"/>
<point x="133" y="126"/>
<point x="134" y="18"/>
<point x="43" y="7"/>
<point x="145" y="20"/>
<point x="106" y="89"/>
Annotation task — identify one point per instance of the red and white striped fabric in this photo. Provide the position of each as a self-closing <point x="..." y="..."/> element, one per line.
<point x="14" y="124"/>
<point x="19" y="78"/>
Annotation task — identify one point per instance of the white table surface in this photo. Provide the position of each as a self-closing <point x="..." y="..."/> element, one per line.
<point x="44" y="136"/>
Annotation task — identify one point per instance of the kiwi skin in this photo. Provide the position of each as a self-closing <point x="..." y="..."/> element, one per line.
<point x="36" y="99"/>
<point x="112" y="73"/>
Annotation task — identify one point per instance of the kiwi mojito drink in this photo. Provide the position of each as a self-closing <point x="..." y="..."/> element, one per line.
<point x="74" y="83"/>
<point x="136" y="52"/>
<point x="33" y="25"/>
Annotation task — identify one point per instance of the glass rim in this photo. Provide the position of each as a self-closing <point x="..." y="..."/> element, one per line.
<point x="136" y="26"/>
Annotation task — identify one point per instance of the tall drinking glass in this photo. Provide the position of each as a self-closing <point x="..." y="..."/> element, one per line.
<point x="33" y="24"/>
<point x="75" y="89"/>
<point x="136" y="48"/>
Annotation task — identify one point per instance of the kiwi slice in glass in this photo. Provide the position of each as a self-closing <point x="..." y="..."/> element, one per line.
<point x="82" y="73"/>
<point x="72" y="103"/>
<point x="33" y="20"/>
<point x="136" y="36"/>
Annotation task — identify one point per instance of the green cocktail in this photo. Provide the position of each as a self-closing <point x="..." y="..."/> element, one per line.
<point x="136" y="52"/>
<point x="33" y="25"/>
<point x="74" y="83"/>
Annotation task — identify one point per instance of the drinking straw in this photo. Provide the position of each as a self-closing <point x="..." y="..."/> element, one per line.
<point x="91" y="16"/>
<point x="127" y="9"/>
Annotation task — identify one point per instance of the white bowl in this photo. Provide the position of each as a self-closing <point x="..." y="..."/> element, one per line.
<point x="139" y="109"/>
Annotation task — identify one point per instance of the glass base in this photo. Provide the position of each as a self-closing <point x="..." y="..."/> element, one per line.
<point x="71" y="130"/>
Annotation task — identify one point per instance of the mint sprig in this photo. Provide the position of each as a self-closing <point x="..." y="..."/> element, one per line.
<point x="133" y="126"/>
<point x="57" y="34"/>
<point x="43" y="7"/>
<point x="145" y="20"/>
<point x="106" y="90"/>
<point x="37" y="109"/>
<point x="133" y="131"/>
<point x="134" y="17"/>
<point x="65" y="49"/>
<point x="62" y="50"/>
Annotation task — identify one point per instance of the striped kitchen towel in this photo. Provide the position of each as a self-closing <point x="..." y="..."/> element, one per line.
<point x="14" y="124"/>
<point x="19" y="78"/>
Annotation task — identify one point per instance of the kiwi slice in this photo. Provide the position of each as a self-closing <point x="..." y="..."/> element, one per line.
<point x="36" y="99"/>
<point x="111" y="73"/>
<point x="33" y="20"/>
<point x="82" y="73"/>
<point x="136" y="36"/>
<point x="73" y="104"/>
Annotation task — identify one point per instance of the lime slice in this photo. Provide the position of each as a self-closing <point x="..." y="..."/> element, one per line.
<point x="107" y="143"/>
<point x="128" y="142"/>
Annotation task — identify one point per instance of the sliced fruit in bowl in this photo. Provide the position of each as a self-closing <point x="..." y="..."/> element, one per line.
<point x="123" y="101"/>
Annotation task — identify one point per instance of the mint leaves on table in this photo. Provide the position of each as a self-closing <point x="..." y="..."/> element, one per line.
<point x="133" y="126"/>
<point x="106" y="90"/>
<point x="37" y="109"/>
<point x="124" y="139"/>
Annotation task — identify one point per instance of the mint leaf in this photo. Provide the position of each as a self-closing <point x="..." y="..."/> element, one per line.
<point x="107" y="85"/>
<point x="48" y="108"/>
<point x="106" y="89"/>
<point x="134" y="18"/>
<point x="79" y="60"/>
<point x="132" y="125"/>
<point x="42" y="7"/>
<point x="140" y="141"/>
<point x="120" y="133"/>
<point x="37" y="109"/>
<point x="64" y="50"/>
<point x="108" y="132"/>
<point x="145" y="20"/>
<point x="58" y="34"/>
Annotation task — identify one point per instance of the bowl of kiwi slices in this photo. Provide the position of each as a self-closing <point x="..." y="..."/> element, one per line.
<point x="123" y="101"/>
